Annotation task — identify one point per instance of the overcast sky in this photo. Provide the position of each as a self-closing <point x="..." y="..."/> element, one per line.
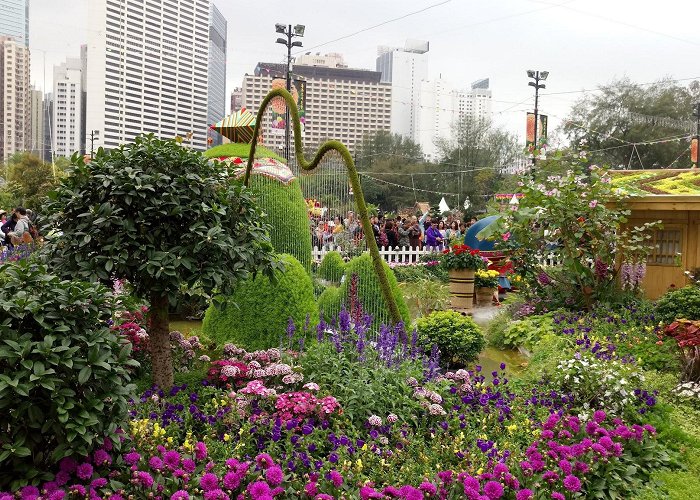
<point x="582" y="43"/>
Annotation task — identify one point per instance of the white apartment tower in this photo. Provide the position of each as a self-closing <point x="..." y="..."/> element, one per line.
<point x="340" y="103"/>
<point x="147" y="70"/>
<point x="15" y="98"/>
<point x="67" y="126"/>
<point x="404" y="68"/>
<point x="217" y="71"/>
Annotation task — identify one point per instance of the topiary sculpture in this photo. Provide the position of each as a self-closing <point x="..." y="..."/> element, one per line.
<point x="332" y="267"/>
<point x="257" y="314"/>
<point x="459" y="339"/>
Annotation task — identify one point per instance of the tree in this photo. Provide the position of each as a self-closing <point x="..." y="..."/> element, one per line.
<point x="481" y="149"/>
<point x="159" y="215"/>
<point x="624" y="113"/>
<point x="29" y="179"/>
<point x="385" y="146"/>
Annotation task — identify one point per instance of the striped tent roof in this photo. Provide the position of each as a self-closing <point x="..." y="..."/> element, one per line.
<point x="237" y="127"/>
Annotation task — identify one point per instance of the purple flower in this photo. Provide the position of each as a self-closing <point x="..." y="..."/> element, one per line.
<point x="84" y="471"/>
<point x="524" y="495"/>
<point x="132" y="458"/>
<point x="572" y="483"/>
<point x="101" y="457"/>
<point x="274" y="475"/>
<point x="171" y="459"/>
<point x="599" y="416"/>
<point x="30" y="492"/>
<point x="200" y="450"/>
<point x="264" y="460"/>
<point x="188" y="465"/>
<point x="217" y="494"/>
<point x="180" y="495"/>
<point x="336" y="478"/>
<point x="493" y="489"/>
<point x="558" y="496"/>
<point x="68" y="465"/>
<point x="258" y="490"/>
<point x="144" y="479"/>
<point x="100" y="482"/>
<point x="54" y="495"/>
<point x="232" y="480"/>
<point x="428" y="488"/>
<point x="155" y="463"/>
<point x="209" y="481"/>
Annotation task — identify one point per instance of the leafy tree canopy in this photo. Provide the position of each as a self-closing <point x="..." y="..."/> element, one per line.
<point x="624" y="113"/>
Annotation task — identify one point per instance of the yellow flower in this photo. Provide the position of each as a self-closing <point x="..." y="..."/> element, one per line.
<point x="227" y="438"/>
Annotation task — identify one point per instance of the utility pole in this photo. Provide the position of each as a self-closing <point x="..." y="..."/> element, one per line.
<point x="696" y="114"/>
<point x="92" y="143"/>
<point x="289" y="32"/>
<point x="537" y="76"/>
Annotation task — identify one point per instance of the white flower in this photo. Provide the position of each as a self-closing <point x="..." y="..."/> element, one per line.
<point x="374" y="420"/>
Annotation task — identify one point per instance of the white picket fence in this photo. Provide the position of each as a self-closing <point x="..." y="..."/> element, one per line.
<point x="407" y="255"/>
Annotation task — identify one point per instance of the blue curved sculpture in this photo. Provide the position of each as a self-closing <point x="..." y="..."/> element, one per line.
<point x="472" y="241"/>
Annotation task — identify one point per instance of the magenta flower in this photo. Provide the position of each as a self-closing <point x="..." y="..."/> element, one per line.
<point x="200" y="450"/>
<point x="171" y="459"/>
<point x="336" y="478"/>
<point x="68" y="465"/>
<point x="258" y="490"/>
<point x="54" y="495"/>
<point x="132" y="458"/>
<point x="180" y="495"/>
<point x="428" y="488"/>
<point x="558" y="496"/>
<point x="232" y="480"/>
<point x="155" y="463"/>
<point x="264" y="460"/>
<point x="101" y="457"/>
<point x="188" y="465"/>
<point x="209" y="481"/>
<point x="572" y="483"/>
<point x="78" y="489"/>
<point x="274" y="475"/>
<point x="599" y="416"/>
<point x="218" y="494"/>
<point x="324" y="496"/>
<point x="366" y="493"/>
<point x="524" y="495"/>
<point x="493" y="490"/>
<point x="311" y="489"/>
<point x="144" y="479"/>
<point x="100" y="482"/>
<point x="84" y="471"/>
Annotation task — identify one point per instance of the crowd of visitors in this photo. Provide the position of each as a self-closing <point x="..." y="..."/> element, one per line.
<point x="397" y="232"/>
<point x="17" y="228"/>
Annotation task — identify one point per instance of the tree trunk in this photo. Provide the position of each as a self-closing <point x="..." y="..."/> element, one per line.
<point x="159" y="340"/>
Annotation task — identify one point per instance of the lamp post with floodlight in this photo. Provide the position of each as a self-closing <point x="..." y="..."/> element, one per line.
<point x="289" y="32"/>
<point x="537" y="76"/>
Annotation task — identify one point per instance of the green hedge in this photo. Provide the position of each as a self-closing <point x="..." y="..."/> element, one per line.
<point x="682" y="303"/>
<point x="332" y="267"/>
<point x="242" y="151"/>
<point x="256" y="315"/>
<point x="460" y="339"/>
<point x="370" y="293"/>
<point x="329" y="303"/>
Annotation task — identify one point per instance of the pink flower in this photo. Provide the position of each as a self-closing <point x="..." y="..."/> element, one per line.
<point x="572" y="483"/>
<point x="200" y="450"/>
<point x="188" y="465"/>
<point x="524" y="495"/>
<point x="258" y="490"/>
<point x="209" y="481"/>
<point x="171" y="459"/>
<point x="274" y="475"/>
<point x="506" y="236"/>
<point x="232" y="480"/>
<point x="593" y="203"/>
<point x="336" y="478"/>
<point x="493" y="489"/>
<point x="264" y="460"/>
<point x="84" y="471"/>
<point x="180" y="495"/>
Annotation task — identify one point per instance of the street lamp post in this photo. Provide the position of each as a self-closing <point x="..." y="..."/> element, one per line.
<point x="290" y="32"/>
<point x="696" y="114"/>
<point x="537" y="76"/>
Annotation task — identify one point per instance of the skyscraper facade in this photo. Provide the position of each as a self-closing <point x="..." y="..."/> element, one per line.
<point x="147" y="70"/>
<point x="14" y="20"/>
<point x="404" y="68"/>
<point x="48" y="127"/>
<point x="339" y="102"/>
<point x="216" y="108"/>
<point x="68" y="108"/>
<point x="37" y="122"/>
<point x="15" y="98"/>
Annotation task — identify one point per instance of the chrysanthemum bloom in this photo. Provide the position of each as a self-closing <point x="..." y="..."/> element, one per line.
<point x="180" y="495"/>
<point x="189" y="465"/>
<point x="155" y="463"/>
<point x="264" y="460"/>
<point x="336" y="478"/>
<point x="493" y="489"/>
<point x="209" y="481"/>
<point x="274" y="475"/>
<point x="171" y="459"/>
<point x="200" y="450"/>
<point x="101" y="457"/>
<point x="258" y="489"/>
<point x="558" y="496"/>
<point x="144" y="479"/>
<point x="524" y="495"/>
<point x="84" y="471"/>
<point x="428" y="488"/>
<point x="132" y="458"/>
<point x="572" y="483"/>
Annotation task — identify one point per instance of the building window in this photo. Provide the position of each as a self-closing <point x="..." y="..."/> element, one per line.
<point x="666" y="244"/>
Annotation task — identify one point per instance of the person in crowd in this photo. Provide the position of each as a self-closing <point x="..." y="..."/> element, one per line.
<point x="453" y="232"/>
<point x="21" y="226"/>
<point x="3" y="217"/>
<point x="463" y="228"/>
<point x="433" y="238"/>
<point x="351" y="224"/>
<point x="375" y="226"/>
<point x="404" y="231"/>
<point x="337" y="229"/>
<point x="414" y="233"/>
<point x="8" y="227"/>
<point x="442" y="229"/>
<point x="421" y="223"/>
<point x="391" y="233"/>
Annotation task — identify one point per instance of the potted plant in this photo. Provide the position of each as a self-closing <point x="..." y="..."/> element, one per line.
<point x="461" y="261"/>
<point x="486" y="282"/>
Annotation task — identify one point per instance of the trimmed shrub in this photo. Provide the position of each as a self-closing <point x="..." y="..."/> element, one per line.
<point x="683" y="303"/>
<point x="329" y="303"/>
<point x="257" y="314"/>
<point x="64" y="384"/>
<point x="459" y="339"/>
<point x="332" y="267"/>
<point x="369" y="292"/>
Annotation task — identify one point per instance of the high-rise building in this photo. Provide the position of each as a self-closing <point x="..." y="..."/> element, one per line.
<point x="14" y="20"/>
<point x="147" y="70"/>
<point x="339" y="103"/>
<point x="236" y="99"/>
<point x="68" y="108"/>
<point x="37" y="121"/>
<point x="15" y="100"/>
<point x="441" y="108"/>
<point x="216" y="108"/>
<point x="48" y="127"/>
<point x="404" y="68"/>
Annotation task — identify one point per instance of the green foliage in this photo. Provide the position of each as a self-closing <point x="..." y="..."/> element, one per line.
<point x="329" y="303"/>
<point x="29" y="179"/>
<point x="64" y="383"/>
<point x="369" y="292"/>
<point x="527" y="331"/>
<point x="683" y="303"/>
<point x="332" y="267"/>
<point x="425" y="296"/>
<point x="256" y="315"/>
<point x="159" y="215"/>
<point x="460" y="339"/>
<point x="578" y="217"/>
<point x="362" y="388"/>
<point x="242" y="151"/>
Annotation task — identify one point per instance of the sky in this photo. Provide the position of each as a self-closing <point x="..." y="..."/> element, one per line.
<point x="582" y="43"/>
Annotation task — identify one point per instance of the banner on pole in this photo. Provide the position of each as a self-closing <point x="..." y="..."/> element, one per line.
<point x="279" y="108"/>
<point x="530" y="130"/>
<point x="694" y="150"/>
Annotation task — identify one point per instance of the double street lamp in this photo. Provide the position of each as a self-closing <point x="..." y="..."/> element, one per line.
<point x="289" y="32"/>
<point x="537" y="76"/>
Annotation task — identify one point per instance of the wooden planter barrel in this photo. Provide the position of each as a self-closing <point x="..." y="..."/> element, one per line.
<point x="484" y="295"/>
<point x="461" y="289"/>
